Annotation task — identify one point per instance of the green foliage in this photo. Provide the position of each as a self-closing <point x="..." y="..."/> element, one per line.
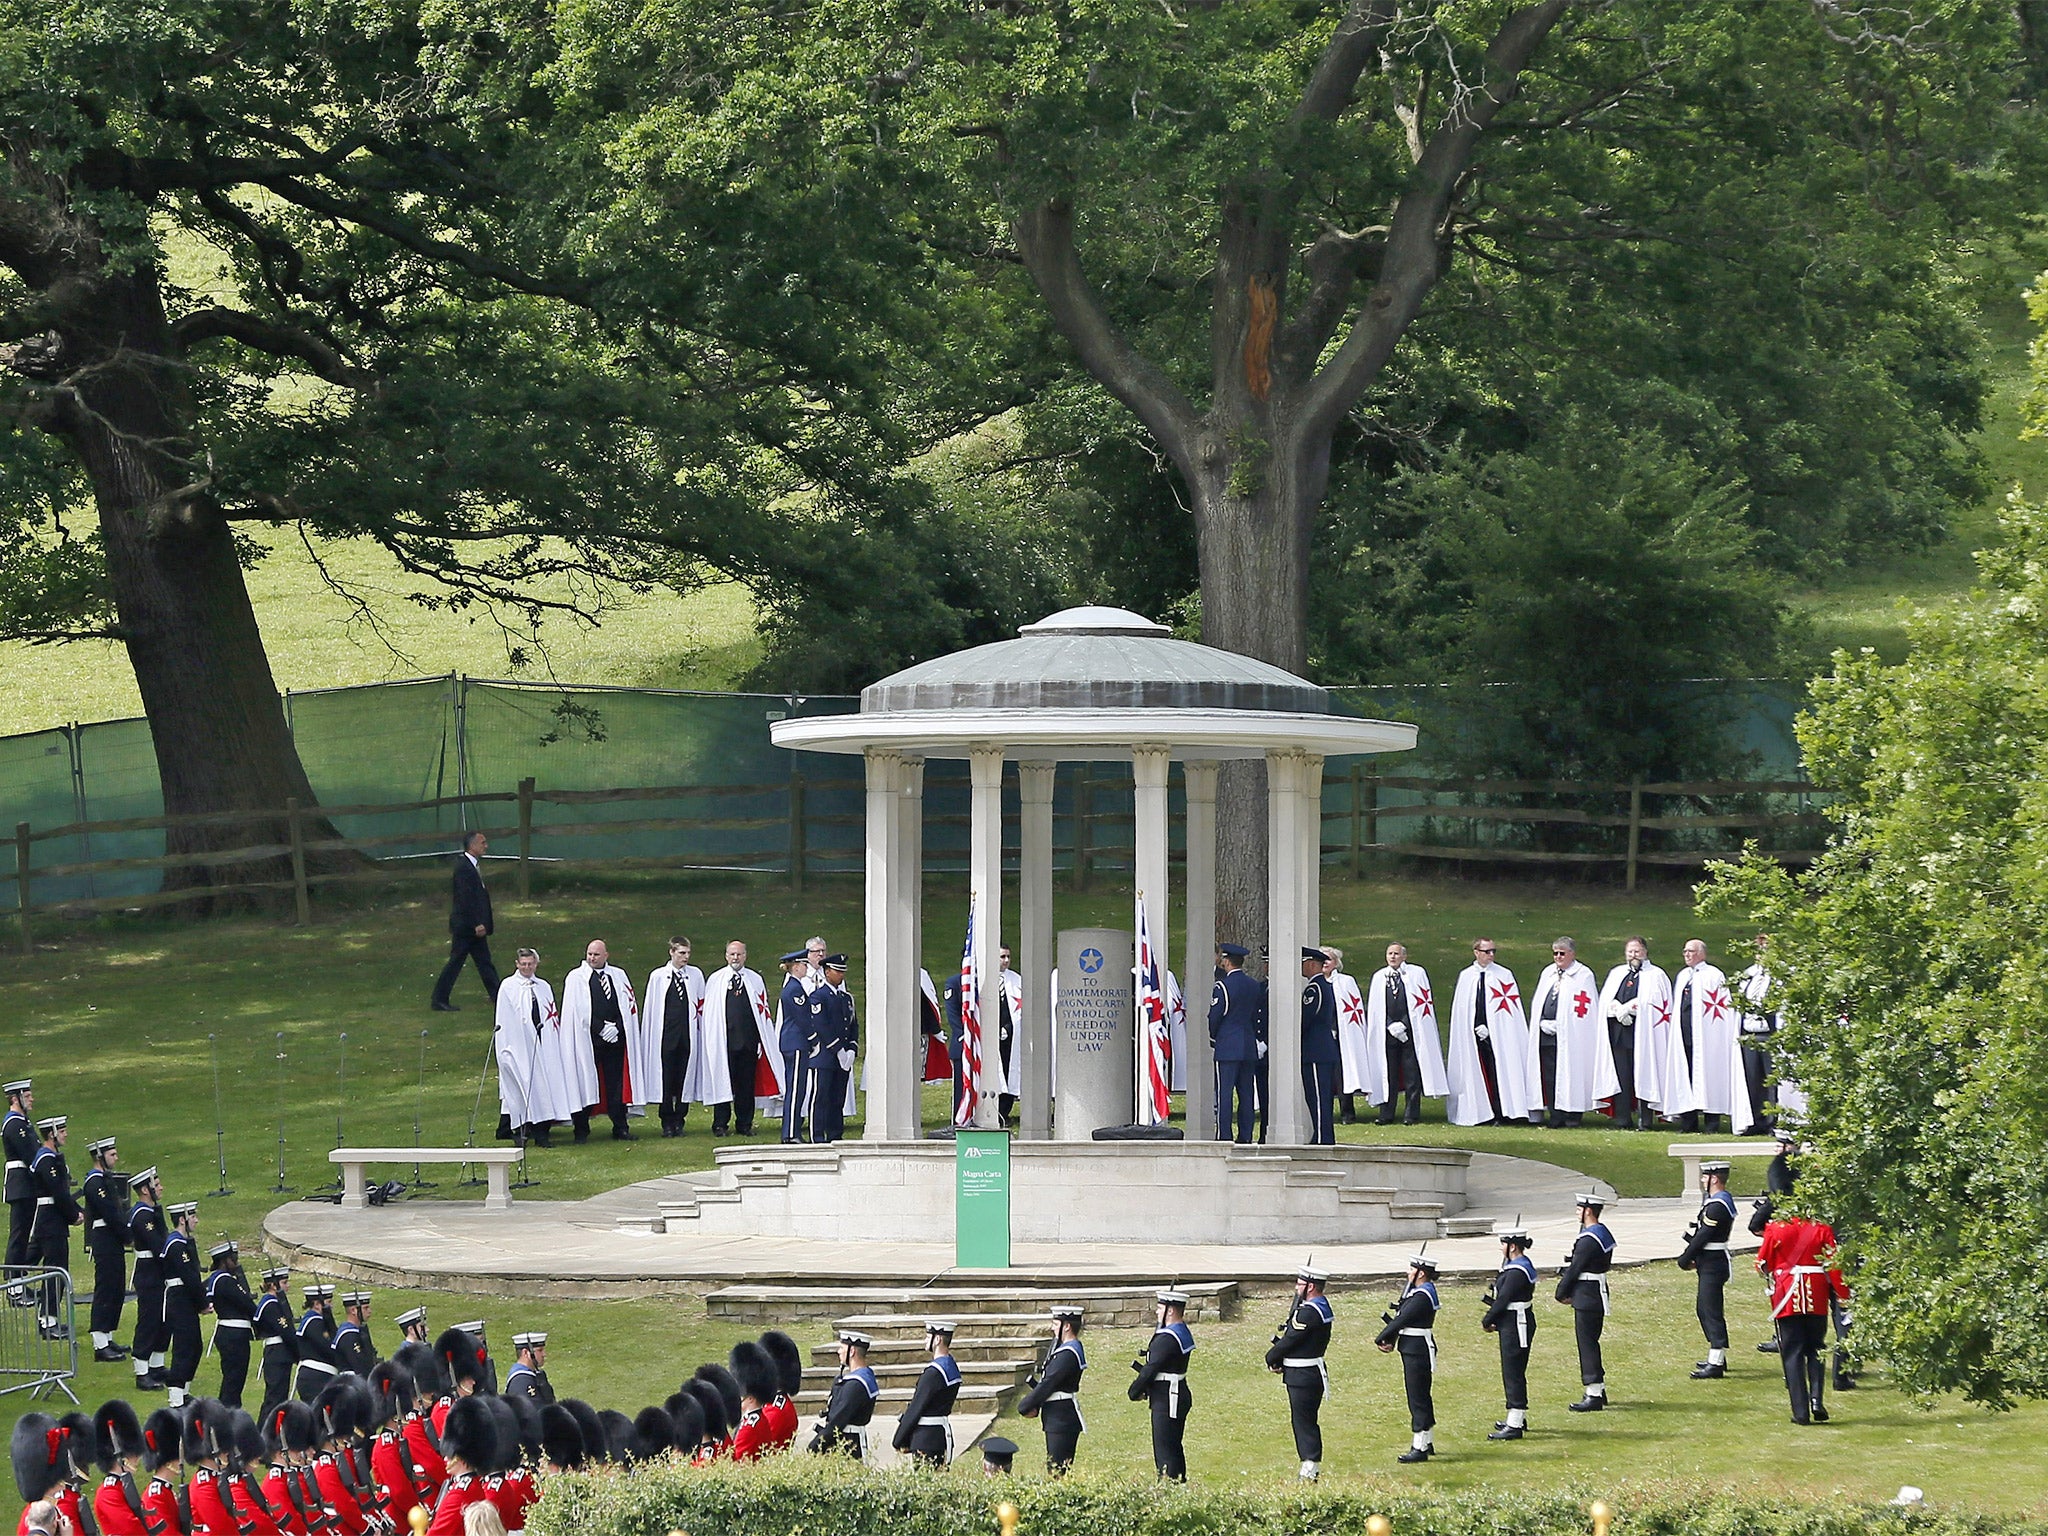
<point x="802" y="1496"/>
<point x="1913" y="991"/>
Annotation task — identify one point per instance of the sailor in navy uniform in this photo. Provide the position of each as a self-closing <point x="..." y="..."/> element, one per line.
<point x="1055" y="1400"/>
<point x="105" y="1198"/>
<point x="354" y="1349"/>
<point x="1582" y="1286"/>
<point x="146" y="1237"/>
<point x="790" y="1014"/>
<point x="1410" y="1328"/>
<point x="318" y="1364"/>
<point x="1297" y="1355"/>
<point x="1237" y="1031"/>
<point x="831" y="1038"/>
<point x="184" y="1299"/>
<point x="19" y="1138"/>
<point x="925" y="1430"/>
<point x="1163" y="1379"/>
<point x="851" y="1407"/>
<point x="272" y="1322"/>
<point x="1510" y="1313"/>
<point x="528" y="1377"/>
<point x="234" y="1319"/>
<point x="1320" y="1058"/>
<point x="56" y="1213"/>
<point x="412" y="1327"/>
<point x="1706" y="1254"/>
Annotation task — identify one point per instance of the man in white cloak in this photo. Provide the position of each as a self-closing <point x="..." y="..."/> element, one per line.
<point x="1404" y="1054"/>
<point x="1635" y="1009"/>
<point x="1575" y="1070"/>
<point x="675" y="999"/>
<point x="602" y="1018"/>
<point x="1703" y="1075"/>
<point x="1490" y="1066"/>
<point x="1756" y="1021"/>
<point x="1009" y="1017"/>
<point x="727" y="1060"/>
<point x="529" y="1079"/>
<point x="1351" y="1074"/>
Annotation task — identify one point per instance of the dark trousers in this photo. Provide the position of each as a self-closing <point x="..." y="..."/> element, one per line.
<point x="21" y="1215"/>
<point x="232" y="1345"/>
<point x="1756" y="1073"/>
<point x="461" y="946"/>
<point x="313" y="1380"/>
<point x="181" y="1322"/>
<point x="1418" y="1375"/>
<point x="1262" y="1093"/>
<point x="675" y="1066"/>
<point x="50" y="1249"/>
<point x="277" y="1379"/>
<point x="1802" y="1350"/>
<point x="1404" y="1078"/>
<point x="1489" y="1074"/>
<point x="1546" y="1060"/>
<point x="1062" y="1435"/>
<point x="1169" y="1434"/>
<point x="739" y="1113"/>
<point x="1713" y="1316"/>
<point x="1514" y="1366"/>
<point x="1236" y="1085"/>
<point x="1587" y="1323"/>
<point x="928" y="1445"/>
<point x="827" y="1108"/>
<point x="1621" y="1040"/>
<point x="796" y="1106"/>
<point x="611" y="1082"/>
<point x="109" y="1288"/>
<point x="1319" y="1084"/>
<point x="149" y="1310"/>
<point x="1304" y="1409"/>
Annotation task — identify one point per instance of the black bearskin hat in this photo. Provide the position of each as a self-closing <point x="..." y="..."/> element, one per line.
<point x="754" y="1369"/>
<point x="335" y="1409"/>
<point x="117" y="1432"/>
<point x="686" y="1417"/>
<point x="38" y="1448"/>
<point x="728" y="1391"/>
<point x="163" y="1439"/>
<point x="471" y="1433"/>
<point x="206" y="1429"/>
<point x="292" y="1427"/>
<point x="424" y="1366"/>
<point x="506" y="1427"/>
<point x="590" y="1426"/>
<point x="561" y="1441"/>
<point x="654" y="1434"/>
<point x="463" y="1359"/>
<point x="247" y="1439"/>
<point x="526" y="1418"/>
<point x="789" y="1362"/>
<point x="391" y="1395"/>
<point x="712" y="1403"/>
<point x="81" y="1437"/>
<point x="618" y="1436"/>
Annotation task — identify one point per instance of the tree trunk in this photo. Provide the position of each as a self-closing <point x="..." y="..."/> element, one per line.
<point x="182" y="606"/>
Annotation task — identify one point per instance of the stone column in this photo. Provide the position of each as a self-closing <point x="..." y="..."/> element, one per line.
<point x="985" y="880"/>
<point x="1150" y="765"/>
<point x="909" y="891"/>
<point x="1284" y="1114"/>
<point x="886" y="1018"/>
<point x="1200" y="961"/>
<point x="1311" y="849"/>
<point x="1034" y="949"/>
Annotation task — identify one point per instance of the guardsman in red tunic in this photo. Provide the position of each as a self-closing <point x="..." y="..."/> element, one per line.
<point x="789" y="1374"/>
<point x="247" y="1501"/>
<point x="118" y="1504"/>
<point x="1797" y="1255"/>
<point x="469" y="1444"/>
<point x="206" y="1454"/>
<point x="334" y="1415"/>
<point x="754" y="1369"/>
<point x="163" y="1452"/>
<point x="390" y="1400"/>
<point x="422" y="1441"/>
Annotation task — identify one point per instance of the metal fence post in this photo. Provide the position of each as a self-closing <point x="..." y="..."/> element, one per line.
<point x="797" y="841"/>
<point x="1372" y="811"/>
<point x="1357" y="858"/>
<point x="525" y="839"/>
<point x="28" y="943"/>
<point x="297" y="830"/>
<point x="1635" y="827"/>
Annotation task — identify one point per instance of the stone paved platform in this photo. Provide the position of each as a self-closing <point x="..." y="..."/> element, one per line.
<point x="575" y="1249"/>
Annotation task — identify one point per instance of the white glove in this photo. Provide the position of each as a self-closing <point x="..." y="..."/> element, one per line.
<point x="1547" y="1026"/>
<point x="609" y="1034"/>
<point x="1262" y="1050"/>
<point x="1752" y="1025"/>
<point x="1398" y="1031"/>
<point x="846" y="1061"/>
<point x="1482" y="1031"/>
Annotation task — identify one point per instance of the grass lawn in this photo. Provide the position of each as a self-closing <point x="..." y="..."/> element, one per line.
<point x="113" y="1022"/>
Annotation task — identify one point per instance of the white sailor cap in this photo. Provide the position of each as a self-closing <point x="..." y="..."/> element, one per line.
<point x="274" y="1274"/>
<point x="19" y="1085"/>
<point x="944" y="1326"/>
<point x="95" y="1148"/>
<point x="528" y="1340"/>
<point x="147" y="1176"/>
<point x="355" y="1299"/>
<point x="1311" y="1274"/>
<point x="219" y="1250"/>
<point x="1067" y="1311"/>
<point x="1172" y="1297"/>
<point x="1422" y="1261"/>
<point x="416" y="1315"/>
<point x="54" y="1123"/>
<point x="855" y="1336"/>
<point x="1591" y="1200"/>
<point x="1717" y="1165"/>
<point x="180" y="1212"/>
<point x="1785" y="1136"/>
<point x="1510" y="1232"/>
<point x="476" y="1328"/>
<point x="319" y="1293"/>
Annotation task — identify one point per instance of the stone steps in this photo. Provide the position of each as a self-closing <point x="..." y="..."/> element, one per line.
<point x="999" y="1373"/>
<point x="972" y="1399"/>
<point x="959" y="1296"/>
<point x="1001" y="1350"/>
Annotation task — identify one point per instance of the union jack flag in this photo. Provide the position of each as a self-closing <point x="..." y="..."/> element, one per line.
<point x="970" y="1030"/>
<point x="1155" y="1045"/>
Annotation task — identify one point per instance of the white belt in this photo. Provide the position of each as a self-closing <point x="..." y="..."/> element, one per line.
<point x="97" y="1223"/>
<point x="173" y="1283"/>
<point x="1418" y="1333"/>
<point x="1516" y="1306"/>
<point x="1162" y="1376"/>
<point x="12" y="1165"/>
<point x="1311" y="1363"/>
<point x="941" y="1421"/>
<point x="232" y="1322"/>
<point x="1062" y="1397"/>
<point x="1714" y="1247"/>
<point x="274" y="1340"/>
<point x="318" y="1365"/>
<point x="1808" y="1269"/>
<point x="46" y="1200"/>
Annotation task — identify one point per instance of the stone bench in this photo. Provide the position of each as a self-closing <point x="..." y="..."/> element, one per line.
<point x="497" y="1163"/>
<point x="1697" y="1152"/>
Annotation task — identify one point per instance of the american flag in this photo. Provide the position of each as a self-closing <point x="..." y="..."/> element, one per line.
<point x="1154" y="1042"/>
<point x="970" y="1031"/>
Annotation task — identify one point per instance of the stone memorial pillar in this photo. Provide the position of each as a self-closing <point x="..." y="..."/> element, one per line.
<point x="1094" y="1033"/>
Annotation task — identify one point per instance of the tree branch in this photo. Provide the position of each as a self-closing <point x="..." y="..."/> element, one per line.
<point x="219" y="323"/>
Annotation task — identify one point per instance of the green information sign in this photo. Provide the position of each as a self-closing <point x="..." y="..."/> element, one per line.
<point x="981" y="1199"/>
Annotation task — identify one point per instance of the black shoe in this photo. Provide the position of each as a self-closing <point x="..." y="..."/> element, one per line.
<point x="1412" y="1120"/>
<point x="1845" y="1383"/>
<point x="446" y="1008"/>
<point x="582" y="1137"/>
<point x="1801" y="1421"/>
<point x="1819" y="1411"/>
<point x="1708" y="1371"/>
<point x="1384" y="1120"/>
<point x="622" y="1133"/>
<point x="542" y="1139"/>
<point x="150" y="1383"/>
<point x="1505" y="1432"/>
<point x="1417" y="1453"/>
<point x="1347" y="1119"/>
<point x="108" y="1354"/>
<point x="1768" y="1347"/>
<point x="1587" y="1405"/>
<point x="56" y="1331"/>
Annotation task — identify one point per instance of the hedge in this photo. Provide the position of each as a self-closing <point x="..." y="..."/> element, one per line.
<point x="821" y="1496"/>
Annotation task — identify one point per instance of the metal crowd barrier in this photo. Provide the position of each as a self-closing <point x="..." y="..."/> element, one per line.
<point x="30" y="1361"/>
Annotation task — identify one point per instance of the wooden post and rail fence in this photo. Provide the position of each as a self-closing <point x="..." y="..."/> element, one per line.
<point x="288" y="855"/>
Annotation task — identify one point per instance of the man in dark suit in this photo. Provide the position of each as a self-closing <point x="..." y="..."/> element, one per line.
<point x="469" y="925"/>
